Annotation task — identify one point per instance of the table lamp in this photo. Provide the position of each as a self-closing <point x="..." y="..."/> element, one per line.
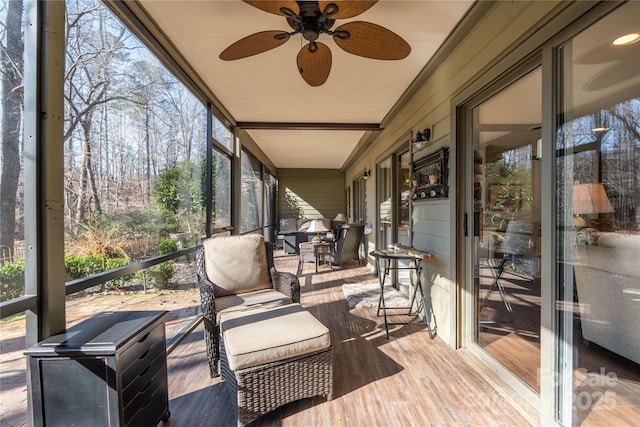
<point x="589" y="199"/>
<point x="317" y="226"/>
<point x="339" y="220"/>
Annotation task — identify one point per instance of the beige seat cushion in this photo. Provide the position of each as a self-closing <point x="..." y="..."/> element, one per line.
<point x="236" y="264"/>
<point x="263" y="336"/>
<point x="263" y="298"/>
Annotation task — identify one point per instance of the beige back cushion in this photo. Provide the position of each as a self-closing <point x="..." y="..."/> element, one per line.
<point x="236" y="264"/>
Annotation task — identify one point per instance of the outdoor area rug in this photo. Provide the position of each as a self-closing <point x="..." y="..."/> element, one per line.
<point x="366" y="295"/>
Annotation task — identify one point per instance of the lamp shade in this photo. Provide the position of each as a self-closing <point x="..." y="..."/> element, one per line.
<point x="590" y="199"/>
<point x="340" y="218"/>
<point x="317" y="226"/>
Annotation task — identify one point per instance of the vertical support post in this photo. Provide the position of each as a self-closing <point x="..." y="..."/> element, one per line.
<point x="44" y="171"/>
<point x="236" y="179"/>
<point x="44" y="167"/>
<point x="208" y="197"/>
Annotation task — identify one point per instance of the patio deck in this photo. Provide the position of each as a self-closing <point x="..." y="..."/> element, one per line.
<point x="407" y="380"/>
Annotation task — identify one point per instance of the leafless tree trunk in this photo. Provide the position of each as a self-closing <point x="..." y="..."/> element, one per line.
<point x="147" y="136"/>
<point x="12" y="69"/>
<point x="87" y="177"/>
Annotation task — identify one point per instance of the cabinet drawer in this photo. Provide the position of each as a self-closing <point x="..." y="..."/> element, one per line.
<point x="150" y="403"/>
<point x="141" y="344"/>
<point x="137" y="384"/>
<point x="135" y="367"/>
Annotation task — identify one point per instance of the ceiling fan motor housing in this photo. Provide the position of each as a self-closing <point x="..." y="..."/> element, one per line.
<point x="311" y="22"/>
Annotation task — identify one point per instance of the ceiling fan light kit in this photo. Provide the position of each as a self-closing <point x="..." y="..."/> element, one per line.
<point x="312" y="18"/>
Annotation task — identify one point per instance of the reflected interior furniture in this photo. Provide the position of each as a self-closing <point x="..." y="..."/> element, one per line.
<point x="236" y="273"/>
<point x="108" y="370"/>
<point x="415" y="258"/>
<point x="347" y="243"/>
<point x="517" y="246"/>
<point x="607" y="280"/>
<point x="496" y="284"/>
<point x="273" y="356"/>
<point x="317" y="253"/>
<point x="519" y="242"/>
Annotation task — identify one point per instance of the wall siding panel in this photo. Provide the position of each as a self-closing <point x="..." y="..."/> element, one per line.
<point x="310" y="194"/>
<point x="486" y="41"/>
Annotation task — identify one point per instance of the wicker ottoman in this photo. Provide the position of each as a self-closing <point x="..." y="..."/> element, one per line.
<point x="273" y="356"/>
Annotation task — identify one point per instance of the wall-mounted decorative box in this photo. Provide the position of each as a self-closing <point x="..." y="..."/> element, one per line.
<point x="429" y="176"/>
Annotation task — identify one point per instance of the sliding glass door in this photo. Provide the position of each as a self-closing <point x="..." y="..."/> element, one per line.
<point x="506" y="226"/>
<point x="384" y="197"/>
<point x="394" y="208"/>
<point x="597" y="163"/>
<point x="403" y="224"/>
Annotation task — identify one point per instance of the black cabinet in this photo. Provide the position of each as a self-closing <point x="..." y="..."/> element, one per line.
<point x="292" y="241"/>
<point x="109" y="370"/>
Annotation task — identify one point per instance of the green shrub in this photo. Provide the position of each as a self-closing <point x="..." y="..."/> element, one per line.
<point x="158" y="276"/>
<point x="80" y="266"/>
<point x="167" y="246"/>
<point x="151" y="220"/>
<point x="168" y="190"/>
<point x="142" y="230"/>
<point x="113" y="263"/>
<point x="76" y="267"/>
<point x="11" y="279"/>
<point x="181" y="187"/>
<point x="179" y="191"/>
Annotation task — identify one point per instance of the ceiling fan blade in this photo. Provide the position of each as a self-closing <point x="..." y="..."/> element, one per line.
<point x="274" y="6"/>
<point x="348" y="9"/>
<point x="314" y="67"/>
<point x="372" y="41"/>
<point x="253" y="45"/>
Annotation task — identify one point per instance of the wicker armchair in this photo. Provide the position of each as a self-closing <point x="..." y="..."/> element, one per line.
<point x="315" y="253"/>
<point x="348" y="243"/>
<point x="236" y="273"/>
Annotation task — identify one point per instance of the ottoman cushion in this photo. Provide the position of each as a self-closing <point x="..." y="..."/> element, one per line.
<point x="266" y="335"/>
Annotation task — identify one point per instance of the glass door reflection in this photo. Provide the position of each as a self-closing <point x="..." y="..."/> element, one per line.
<point x="506" y="224"/>
<point x="385" y="204"/>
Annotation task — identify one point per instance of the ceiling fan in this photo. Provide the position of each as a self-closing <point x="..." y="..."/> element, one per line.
<point x="312" y="18"/>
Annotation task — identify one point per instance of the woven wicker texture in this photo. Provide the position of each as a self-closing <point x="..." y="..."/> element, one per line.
<point x="261" y="389"/>
<point x="286" y="283"/>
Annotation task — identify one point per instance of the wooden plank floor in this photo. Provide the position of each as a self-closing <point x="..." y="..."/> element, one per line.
<point x="407" y="380"/>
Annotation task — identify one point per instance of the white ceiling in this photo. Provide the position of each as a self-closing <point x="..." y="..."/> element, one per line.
<point x="267" y="87"/>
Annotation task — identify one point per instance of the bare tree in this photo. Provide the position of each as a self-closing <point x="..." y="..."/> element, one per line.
<point x="10" y="93"/>
<point x="93" y="78"/>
